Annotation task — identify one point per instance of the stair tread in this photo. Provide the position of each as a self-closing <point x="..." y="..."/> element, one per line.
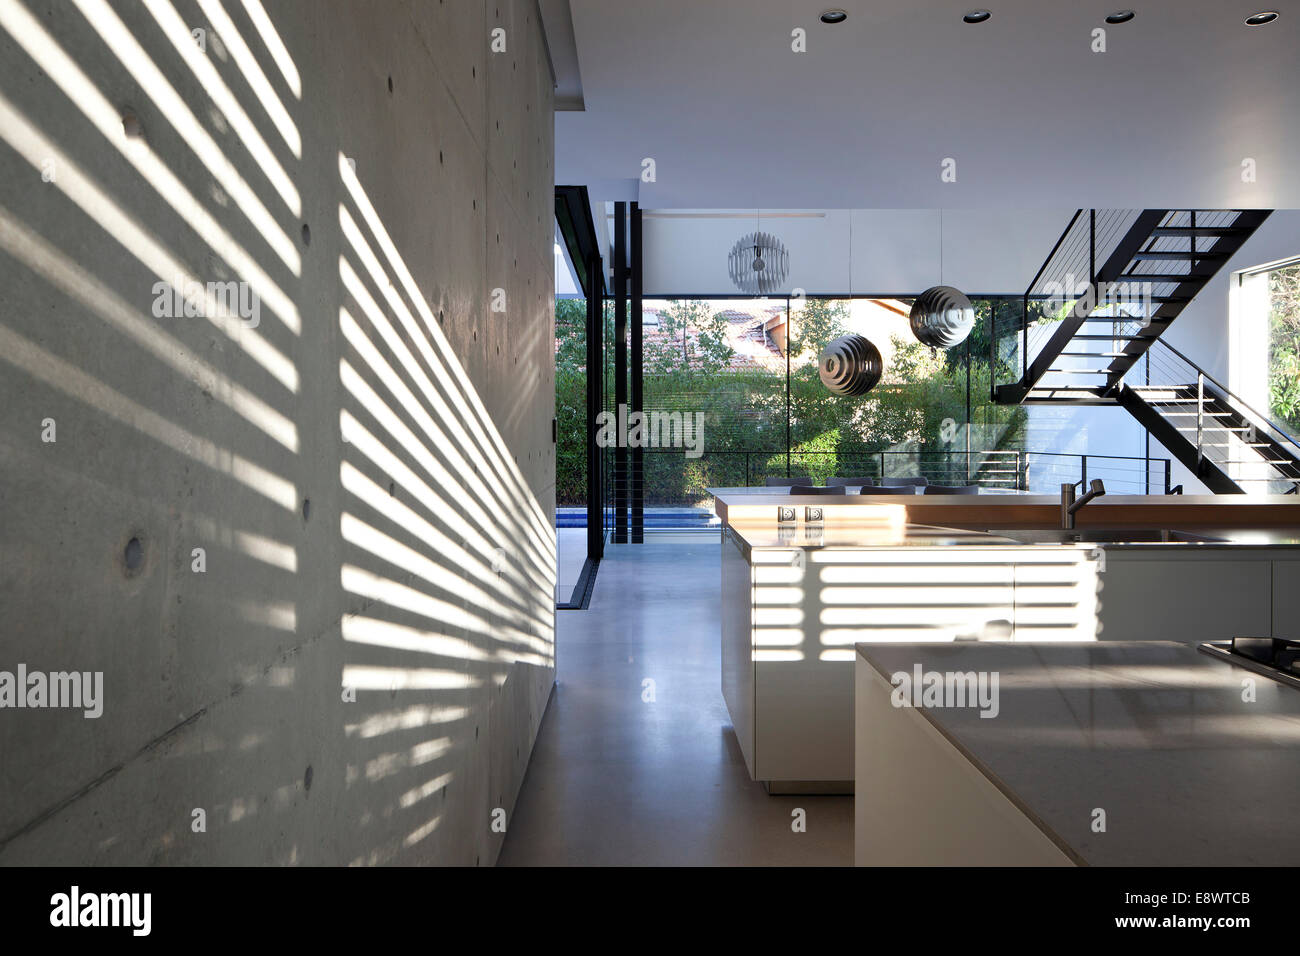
<point x="1166" y="277"/>
<point x="1063" y="389"/>
<point x="1209" y="231"/>
<point x="1176" y="255"/>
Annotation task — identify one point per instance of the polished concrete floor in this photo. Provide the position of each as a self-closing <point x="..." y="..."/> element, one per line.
<point x="617" y="779"/>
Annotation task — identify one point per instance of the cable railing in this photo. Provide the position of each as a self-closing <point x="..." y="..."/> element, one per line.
<point x="1252" y="449"/>
<point x="1065" y="278"/>
<point x="1069" y="274"/>
<point x="1046" y="471"/>
<point x="1107" y="262"/>
<point x="673" y="480"/>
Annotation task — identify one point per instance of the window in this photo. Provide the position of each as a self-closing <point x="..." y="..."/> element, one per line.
<point x="1284" y="346"/>
<point x="1266" y="341"/>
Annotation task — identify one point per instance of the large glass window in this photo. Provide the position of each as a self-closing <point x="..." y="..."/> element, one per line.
<point x="930" y="415"/>
<point x="1284" y="346"/>
<point x="570" y="442"/>
<point x="570" y="406"/>
<point x="715" y="398"/>
<point x="732" y="397"/>
<point x="1264" y="363"/>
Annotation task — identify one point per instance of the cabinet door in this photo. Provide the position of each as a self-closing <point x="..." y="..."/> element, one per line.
<point x="1286" y="600"/>
<point x="1145" y="597"/>
<point x="1056" y="595"/>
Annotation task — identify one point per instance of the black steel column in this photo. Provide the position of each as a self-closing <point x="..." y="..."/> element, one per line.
<point x="620" y="372"/>
<point x="595" y="403"/>
<point x="637" y="485"/>
<point x="968" y="410"/>
<point x="789" y="346"/>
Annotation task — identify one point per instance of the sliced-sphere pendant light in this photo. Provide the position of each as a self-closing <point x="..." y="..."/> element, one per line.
<point x="758" y="263"/>
<point x="850" y="365"/>
<point x="942" y="317"/>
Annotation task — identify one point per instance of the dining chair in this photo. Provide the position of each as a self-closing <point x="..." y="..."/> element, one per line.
<point x="816" y="490"/>
<point x="778" y="482"/>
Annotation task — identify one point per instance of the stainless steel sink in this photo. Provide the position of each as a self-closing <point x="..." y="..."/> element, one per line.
<point x="1132" y="536"/>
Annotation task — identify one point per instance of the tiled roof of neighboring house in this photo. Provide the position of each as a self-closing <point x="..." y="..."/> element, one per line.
<point x="752" y="343"/>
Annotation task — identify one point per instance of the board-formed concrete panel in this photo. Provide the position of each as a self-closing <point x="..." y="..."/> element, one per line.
<point x="305" y="536"/>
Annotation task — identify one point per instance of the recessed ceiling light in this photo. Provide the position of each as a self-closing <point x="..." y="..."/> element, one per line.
<point x="977" y="16"/>
<point x="1120" y="16"/>
<point x="834" y="16"/>
<point x="1259" y="19"/>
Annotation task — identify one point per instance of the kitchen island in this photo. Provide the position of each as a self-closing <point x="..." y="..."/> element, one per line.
<point x="796" y="596"/>
<point x="1108" y="754"/>
<point x="795" y="600"/>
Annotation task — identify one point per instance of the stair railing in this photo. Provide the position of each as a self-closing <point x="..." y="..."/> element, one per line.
<point x="1066" y="285"/>
<point x="1167" y="367"/>
<point x="1200" y="416"/>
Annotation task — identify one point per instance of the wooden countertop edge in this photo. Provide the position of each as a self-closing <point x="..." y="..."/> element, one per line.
<point x="1041" y="511"/>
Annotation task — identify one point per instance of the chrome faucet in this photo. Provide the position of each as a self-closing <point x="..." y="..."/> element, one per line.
<point x="1069" y="505"/>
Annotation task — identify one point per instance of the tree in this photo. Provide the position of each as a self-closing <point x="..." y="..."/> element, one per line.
<point x="706" y="350"/>
<point x="1284" y="346"/>
<point x="744" y="408"/>
<point x="816" y="324"/>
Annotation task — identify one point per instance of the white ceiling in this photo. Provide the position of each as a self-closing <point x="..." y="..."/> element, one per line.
<point x="733" y="119"/>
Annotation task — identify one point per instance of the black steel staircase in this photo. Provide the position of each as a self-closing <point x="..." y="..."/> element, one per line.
<point x="1111" y="266"/>
<point x="1096" y="340"/>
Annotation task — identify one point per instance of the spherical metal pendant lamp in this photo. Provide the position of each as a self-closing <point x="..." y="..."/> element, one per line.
<point x="942" y="317"/>
<point x="759" y="263"/>
<point x="850" y="365"/>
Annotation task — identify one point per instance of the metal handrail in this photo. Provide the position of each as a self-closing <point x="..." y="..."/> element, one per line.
<point x="1090" y="248"/>
<point x="1164" y="466"/>
<point x="1178" y="375"/>
<point x="1019" y="462"/>
<point x="1228" y="393"/>
<point x="1051" y="255"/>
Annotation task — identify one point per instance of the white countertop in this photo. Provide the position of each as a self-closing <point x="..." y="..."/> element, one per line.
<point x="1153" y="732"/>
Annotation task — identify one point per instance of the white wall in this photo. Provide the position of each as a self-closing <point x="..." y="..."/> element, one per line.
<point x="1202" y="330"/>
<point x="891" y="251"/>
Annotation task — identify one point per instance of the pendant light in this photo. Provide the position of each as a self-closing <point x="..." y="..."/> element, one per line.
<point x="759" y="262"/>
<point x="941" y="316"/>
<point x="850" y="365"/>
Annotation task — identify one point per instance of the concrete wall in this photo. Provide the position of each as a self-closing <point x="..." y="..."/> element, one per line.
<point x="369" y="470"/>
